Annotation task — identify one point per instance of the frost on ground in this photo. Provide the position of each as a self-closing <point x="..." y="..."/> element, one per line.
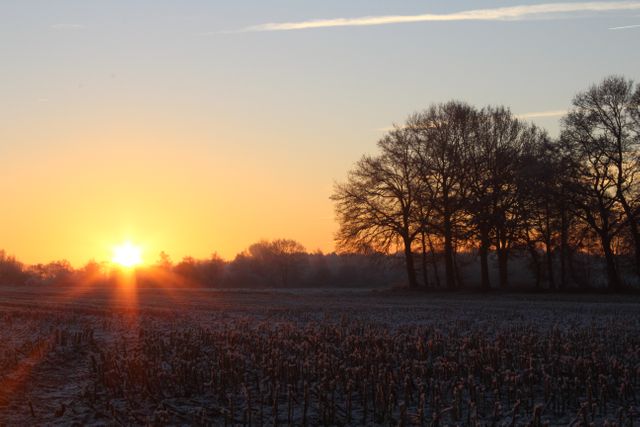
<point x="180" y="357"/>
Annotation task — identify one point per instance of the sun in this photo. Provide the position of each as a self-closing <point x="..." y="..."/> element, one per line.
<point x="127" y="255"/>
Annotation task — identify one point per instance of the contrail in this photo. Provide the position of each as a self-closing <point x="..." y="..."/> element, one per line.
<point x="541" y="114"/>
<point x="497" y="14"/>
<point x="626" y="27"/>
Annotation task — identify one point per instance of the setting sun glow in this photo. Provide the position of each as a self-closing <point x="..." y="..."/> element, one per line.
<point x="127" y="255"/>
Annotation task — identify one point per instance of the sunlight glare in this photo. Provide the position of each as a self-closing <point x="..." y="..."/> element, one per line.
<point x="127" y="255"/>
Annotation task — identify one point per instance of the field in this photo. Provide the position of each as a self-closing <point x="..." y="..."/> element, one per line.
<point x="204" y="357"/>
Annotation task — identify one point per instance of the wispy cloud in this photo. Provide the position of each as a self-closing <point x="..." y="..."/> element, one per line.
<point x="62" y="27"/>
<point x="626" y="27"/>
<point x="497" y="14"/>
<point x="542" y="114"/>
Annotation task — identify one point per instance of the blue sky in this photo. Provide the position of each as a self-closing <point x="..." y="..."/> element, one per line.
<point x="279" y="114"/>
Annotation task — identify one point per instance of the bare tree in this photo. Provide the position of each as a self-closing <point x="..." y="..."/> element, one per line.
<point x="378" y="206"/>
<point x="605" y="119"/>
<point x="439" y="135"/>
<point x="540" y="183"/>
<point x="467" y="178"/>
<point x="494" y="158"/>
<point x="593" y="188"/>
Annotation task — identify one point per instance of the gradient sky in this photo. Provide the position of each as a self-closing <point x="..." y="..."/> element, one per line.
<point x="186" y="126"/>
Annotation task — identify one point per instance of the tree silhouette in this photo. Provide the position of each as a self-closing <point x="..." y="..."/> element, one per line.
<point x="603" y="127"/>
<point x="378" y="206"/>
<point x="438" y="136"/>
<point x="482" y="178"/>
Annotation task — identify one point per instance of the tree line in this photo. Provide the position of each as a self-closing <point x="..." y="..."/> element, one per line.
<point x="455" y="179"/>
<point x="279" y="263"/>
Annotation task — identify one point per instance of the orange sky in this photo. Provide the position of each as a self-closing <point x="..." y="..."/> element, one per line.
<point x="77" y="200"/>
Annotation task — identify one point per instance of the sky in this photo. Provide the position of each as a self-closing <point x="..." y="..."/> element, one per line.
<point x="202" y="126"/>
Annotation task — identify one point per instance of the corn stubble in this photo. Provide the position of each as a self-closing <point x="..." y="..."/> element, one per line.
<point x="291" y="369"/>
<point x="352" y="372"/>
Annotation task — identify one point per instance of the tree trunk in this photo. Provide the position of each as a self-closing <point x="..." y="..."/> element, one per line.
<point x="456" y="267"/>
<point x="633" y="228"/>
<point x="501" y="249"/>
<point x="434" y="260"/>
<point x="564" y="244"/>
<point x="503" y="268"/>
<point x="549" y="259"/>
<point x="547" y="244"/>
<point x="448" y="253"/>
<point x="636" y="240"/>
<point x="425" y="273"/>
<point x="485" y="283"/>
<point x="411" y="271"/>
<point x="535" y="259"/>
<point x="575" y="277"/>
<point x="613" y="279"/>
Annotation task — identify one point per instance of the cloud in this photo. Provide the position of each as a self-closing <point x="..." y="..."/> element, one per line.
<point x="626" y="27"/>
<point x="542" y="114"/>
<point x="63" y="27"/>
<point x="497" y="14"/>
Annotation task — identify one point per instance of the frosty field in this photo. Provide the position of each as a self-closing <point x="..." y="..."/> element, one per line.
<point x="204" y="357"/>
